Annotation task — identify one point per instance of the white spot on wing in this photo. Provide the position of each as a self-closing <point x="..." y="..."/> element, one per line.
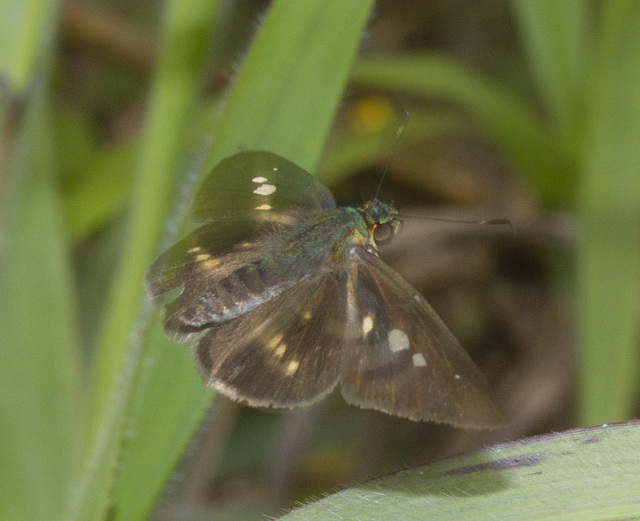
<point x="275" y="341"/>
<point x="206" y="261"/>
<point x="259" y="179"/>
<point x="398" y="340"/>
<point x="292" y="367"/>
<point x="265" y="189"/>
<point x="263" y="207"/>
<point x="418" y="360"/>
<point x="367" y="324"/>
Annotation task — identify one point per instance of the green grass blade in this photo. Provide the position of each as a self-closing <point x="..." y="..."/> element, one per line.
<point x="40" y="373"/>
<point x="554" y="36"/>
<point x="301" y="74"/>
<point x="609" y="257"/>
<point x="174" y="96"/>
<point x="590" y="475"/>
<point x="312" y="45"/>
<point x="507" y="118"/>
<point x="26" y="29"/>
<point x="173" y="101"/>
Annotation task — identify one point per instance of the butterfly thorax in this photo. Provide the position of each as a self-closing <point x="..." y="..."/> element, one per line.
<point x="348" y="230"/>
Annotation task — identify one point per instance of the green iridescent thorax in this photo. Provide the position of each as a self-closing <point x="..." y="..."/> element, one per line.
<point x="342" y="229"/>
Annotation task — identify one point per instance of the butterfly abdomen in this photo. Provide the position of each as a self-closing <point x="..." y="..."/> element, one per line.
<point x="222" y="298"/>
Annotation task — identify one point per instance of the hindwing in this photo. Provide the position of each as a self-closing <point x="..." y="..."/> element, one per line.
<point x="284" y="353"/>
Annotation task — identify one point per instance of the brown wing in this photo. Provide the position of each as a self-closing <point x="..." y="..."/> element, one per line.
<point x="284" y="353"/>
<point x="402" y="359"/>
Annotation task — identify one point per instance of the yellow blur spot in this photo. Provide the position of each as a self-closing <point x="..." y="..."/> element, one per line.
<point x="370" y="114"/>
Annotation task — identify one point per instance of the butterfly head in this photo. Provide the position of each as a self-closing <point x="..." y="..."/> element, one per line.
<point x="382" y="222"/>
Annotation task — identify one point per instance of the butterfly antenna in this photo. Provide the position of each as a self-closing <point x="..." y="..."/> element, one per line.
<point x="498" y="221"/>
<point x="404" y="117"/>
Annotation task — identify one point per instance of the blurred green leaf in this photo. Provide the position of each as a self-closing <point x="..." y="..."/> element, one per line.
<point x="101" y="189"/>
<point x="300" y="81"/>
<point x="97" y="177"/>
<point x="609" y="257"/>
<point x="589" y="474"/>
<point x="26" y="33"/>
<point x="554" y="35"/>
<point x="40" y="374"/>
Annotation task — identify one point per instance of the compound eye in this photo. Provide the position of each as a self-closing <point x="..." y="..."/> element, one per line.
<point x="382" y="233"/>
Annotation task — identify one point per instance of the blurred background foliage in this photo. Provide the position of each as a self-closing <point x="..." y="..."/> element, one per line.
<point x="523" y="109"/>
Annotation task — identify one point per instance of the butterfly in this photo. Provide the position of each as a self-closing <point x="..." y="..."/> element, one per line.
<point x="284" y="298"/>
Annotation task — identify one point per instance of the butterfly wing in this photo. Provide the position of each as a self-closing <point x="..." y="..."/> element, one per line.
<point x="249" y="200"/>
<point x="283" y="353"/>
<point x="223" y="271"/>
<point x="259" y="184"/>
<point x="402" y="359"/>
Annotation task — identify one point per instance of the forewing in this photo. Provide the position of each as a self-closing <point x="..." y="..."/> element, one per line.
<point x="260" y="184"/>
<point x="402" y="359"/>
<point x="225" y="270"/>
<point x="253" y="201"/>
<point x="284" y="353"/>
<point x="187" y="260"/>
